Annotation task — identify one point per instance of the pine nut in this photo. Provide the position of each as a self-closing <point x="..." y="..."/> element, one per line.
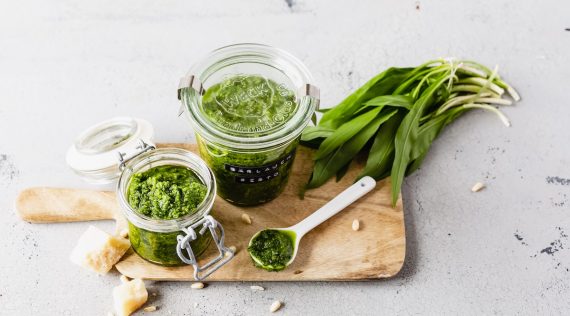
<point x="256" y="288"/>
<point x="275" y="306"/>
<point x="477" y="187"/>
<point x="197" y="285"/>
<point x="355" y="225"/>
<point x="245" y="218"/>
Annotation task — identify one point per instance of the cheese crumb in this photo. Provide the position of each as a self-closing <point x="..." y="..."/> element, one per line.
<point x="98" y="251"/>
<point x="129" y="297"/>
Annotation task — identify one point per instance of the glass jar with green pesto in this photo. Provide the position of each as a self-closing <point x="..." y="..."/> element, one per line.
<point x="166" y="195"/>
<point x="248" y="104"/>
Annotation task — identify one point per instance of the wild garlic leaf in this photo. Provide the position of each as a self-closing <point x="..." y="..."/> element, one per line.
<point x="342" y="172"/>
<point x="381" y="154"/>
<point x="382" y="84"/>
<point x="312" y="132"/>
<point x="345" y="133"/>
<point x="382" y="101"/>
<point x="427" y="134"/>
<point x="328" y="166"/>
<point x="407" y="133"/>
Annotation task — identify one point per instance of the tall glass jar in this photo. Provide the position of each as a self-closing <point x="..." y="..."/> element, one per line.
<point x="248" y="104"/>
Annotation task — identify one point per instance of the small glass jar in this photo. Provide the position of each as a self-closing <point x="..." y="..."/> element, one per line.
<point x="156" y="240"/>
<point x="122" y="147"/>
<point x="248" y="104"/>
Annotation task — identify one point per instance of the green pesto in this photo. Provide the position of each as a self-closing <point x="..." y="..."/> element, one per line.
<point x="248" y="105"/>
<point x="272" y="249"/>
<point x="247" y="193"/>
<point x="160" y="248"/>
<point x="166" y="192"/>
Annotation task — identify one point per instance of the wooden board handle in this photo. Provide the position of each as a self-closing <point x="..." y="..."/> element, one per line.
<point x="48" y="205"/>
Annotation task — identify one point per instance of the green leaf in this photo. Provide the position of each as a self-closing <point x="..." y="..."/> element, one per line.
<point x="427" y="134"/>
<point x="342" y="172"/>
<point x="345" y="133"/>
<point x="314" y="118"/>
<point x="403" y="101"/>
<point x="382" y="84"/>
<point x="407" y="134"/>
<point x="417" y="74"/>
<point x="381" y="154"/>
<point x="314" y="144"/>
<point x="393" y="100"/>
<point x="312" y="132"/>
<point x="328" y="166"/>
<point x="415" y="165"/>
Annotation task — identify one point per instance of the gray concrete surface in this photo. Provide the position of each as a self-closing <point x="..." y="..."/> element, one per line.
<point x="67" y="64"/>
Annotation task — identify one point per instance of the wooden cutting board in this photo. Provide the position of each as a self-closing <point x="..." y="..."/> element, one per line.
<point x="331" y="252"/>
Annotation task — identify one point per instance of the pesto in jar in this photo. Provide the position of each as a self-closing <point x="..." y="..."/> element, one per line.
<point x="249" y="106"/>
<point x="246" y="178"/>
<point x="272" y="249"/>
<point x="164" y="193"/>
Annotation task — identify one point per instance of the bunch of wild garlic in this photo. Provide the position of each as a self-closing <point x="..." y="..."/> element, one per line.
<point x="398" y="114"/>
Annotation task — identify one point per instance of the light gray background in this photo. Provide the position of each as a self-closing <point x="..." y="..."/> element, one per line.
<point x="65" y="65"/>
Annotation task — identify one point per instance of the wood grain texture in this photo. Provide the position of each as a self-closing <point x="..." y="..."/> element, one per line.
<point x="332" y="251"/>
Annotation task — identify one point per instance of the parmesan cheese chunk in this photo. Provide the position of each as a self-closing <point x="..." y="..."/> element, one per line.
<point x="129" y="297"/>
<point x="98" y="251"/>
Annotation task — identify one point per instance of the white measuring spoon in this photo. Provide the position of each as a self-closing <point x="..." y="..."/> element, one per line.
<point x="340" y="202"/>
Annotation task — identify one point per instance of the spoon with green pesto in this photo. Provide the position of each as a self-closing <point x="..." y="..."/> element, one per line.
<point x="274" y="249"/>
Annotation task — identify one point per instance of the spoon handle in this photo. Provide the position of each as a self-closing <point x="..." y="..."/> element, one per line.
<point x="340" y="202"/>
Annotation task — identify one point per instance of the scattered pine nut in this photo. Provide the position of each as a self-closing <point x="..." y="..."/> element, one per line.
<point x="151" y="308"/>
<point x="124" y="233"/>
<point x="275" y="306"/>
<point x="245" y="218"/>
<point x="256" y="288"/>
<point x="477" y="187"/>
<point x="197" y="285"/>
<point x="355" y="225"/>
<point x="124" y="279"/>
<point x="233" y="249"/>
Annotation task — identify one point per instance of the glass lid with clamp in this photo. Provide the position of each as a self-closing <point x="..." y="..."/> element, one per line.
<point x="166" y="194"/>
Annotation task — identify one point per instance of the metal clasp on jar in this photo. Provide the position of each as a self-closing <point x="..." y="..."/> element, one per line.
<point x="142" y="148"/>
<point x="188" y="257"/>
<point x="189" y="81"/>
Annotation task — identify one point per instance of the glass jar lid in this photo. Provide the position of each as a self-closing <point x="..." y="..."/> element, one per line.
<point x="249" y="95"/>
<point x="96" y="153"/>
